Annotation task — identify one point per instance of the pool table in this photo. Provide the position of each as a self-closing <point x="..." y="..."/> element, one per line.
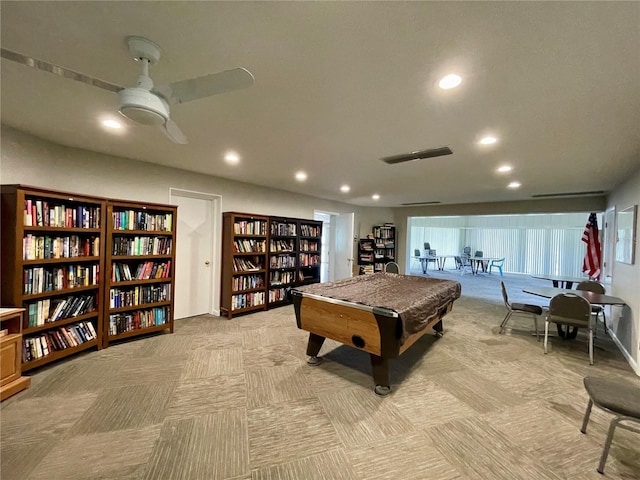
<point x="382" y="314"/>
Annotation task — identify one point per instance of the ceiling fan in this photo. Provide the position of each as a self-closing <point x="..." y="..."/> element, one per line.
<point x="145" y="103"/>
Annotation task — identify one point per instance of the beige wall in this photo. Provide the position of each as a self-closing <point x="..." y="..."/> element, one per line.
<point x="29" y="160"/>
<point x="32" y="161"/>
<point x="564" y="205"/>
<point x="625" y="282"/>
<point x="626" y="278"/>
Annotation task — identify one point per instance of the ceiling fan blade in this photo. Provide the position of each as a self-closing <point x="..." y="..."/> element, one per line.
<point x="58" y="70"/>
<point x="171" y="130"/>
<point x="213" y="84"/>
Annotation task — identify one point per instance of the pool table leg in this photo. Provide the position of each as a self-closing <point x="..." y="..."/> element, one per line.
<point x="313" y="348"/>
<point x="380" y="367"/>
<point x="438" y="329"/>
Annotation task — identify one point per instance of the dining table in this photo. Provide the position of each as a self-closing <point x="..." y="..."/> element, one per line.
<point x="561" y="281"/>
<point x="592" y="297"/>
<point x="439" y="259"/>
<point x="477" y="262"/>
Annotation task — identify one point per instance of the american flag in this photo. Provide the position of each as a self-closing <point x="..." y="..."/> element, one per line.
<point x="593" y="257"/>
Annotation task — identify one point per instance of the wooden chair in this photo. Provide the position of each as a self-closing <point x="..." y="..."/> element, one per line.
<point x="622" y="400"/>
<point x="519" y="308"/>
<point x="571" y="310"/>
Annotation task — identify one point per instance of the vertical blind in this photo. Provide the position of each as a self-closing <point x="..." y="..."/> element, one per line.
<point x="530" y="244"/>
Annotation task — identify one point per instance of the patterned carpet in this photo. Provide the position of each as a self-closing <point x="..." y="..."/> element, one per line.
<point x="235" y="400"/>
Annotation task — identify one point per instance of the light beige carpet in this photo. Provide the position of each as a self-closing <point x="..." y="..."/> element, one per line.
<point x="235" y="400"/>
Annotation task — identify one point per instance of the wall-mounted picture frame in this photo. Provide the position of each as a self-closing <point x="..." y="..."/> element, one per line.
<point x="626" y="221"/>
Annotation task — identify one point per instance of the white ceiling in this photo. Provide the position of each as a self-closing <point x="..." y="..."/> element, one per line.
<point x="341" y="84"/>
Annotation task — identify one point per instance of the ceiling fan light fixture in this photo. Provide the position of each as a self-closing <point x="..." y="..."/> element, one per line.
<point x="142" y="106"/>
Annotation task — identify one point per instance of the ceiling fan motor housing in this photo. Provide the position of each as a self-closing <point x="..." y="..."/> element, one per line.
<point x="142" y="106"/>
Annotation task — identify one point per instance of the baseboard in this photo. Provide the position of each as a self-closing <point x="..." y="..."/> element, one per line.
<point x="634" y="365"/>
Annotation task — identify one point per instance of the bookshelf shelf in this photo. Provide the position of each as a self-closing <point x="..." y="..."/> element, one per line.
<point x="244" y="263"/>
<point x="139" y="286"/>
<point x="64" y="291"/>
<point x="135" y="333"/>
<point x="60" y="323"/>
<point x="52" y="240"/>
<point x="47" y="261"/>
<point x="57" y="355"/>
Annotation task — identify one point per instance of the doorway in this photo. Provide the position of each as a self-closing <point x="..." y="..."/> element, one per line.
<point x="197" y="269"/>
<point x="337" y="245"/>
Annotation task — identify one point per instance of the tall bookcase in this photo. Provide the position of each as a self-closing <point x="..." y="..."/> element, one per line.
<point x="309" y="243"/>
<point x="140" y="265"/>
<point x="366" y="259"/>
<point x="283" y="258"/>
<point x="52" y="264"/>
<point x="244" y="263"/>
<point x="384" y="237"/>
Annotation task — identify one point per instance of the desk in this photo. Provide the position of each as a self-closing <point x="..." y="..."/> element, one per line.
<point x="382" y="314"/>
<point x="560" y="281"/>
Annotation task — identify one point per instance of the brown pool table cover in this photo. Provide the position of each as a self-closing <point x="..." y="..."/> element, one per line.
<point x="415" y="299"/>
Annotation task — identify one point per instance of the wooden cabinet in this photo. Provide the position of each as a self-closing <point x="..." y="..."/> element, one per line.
<point x="11" y="379"/>
<point x="309" y="241"/>
<point x="140" y="265"/>
<point x="244" y="263"/>
<point x="51" y="264"/>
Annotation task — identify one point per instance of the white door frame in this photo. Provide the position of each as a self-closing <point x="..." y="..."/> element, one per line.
<point x="216" y="223"/>
<point x="609" y="244"/>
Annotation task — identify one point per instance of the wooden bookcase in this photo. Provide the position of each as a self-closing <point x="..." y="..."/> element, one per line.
<point x="283" y="259"/>
<point x="139" y="285"/>
<point x="244" y="263"/>
<point x="384" y="237"/>
<point x="366" y="249"/>
<point x="309" y="245"/>
<point x="52" y="263"/>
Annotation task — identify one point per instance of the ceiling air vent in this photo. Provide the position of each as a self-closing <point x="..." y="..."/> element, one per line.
<point x="568" y="194"/>
<point x="407" y="157"/>
<point x="418" y="203"/>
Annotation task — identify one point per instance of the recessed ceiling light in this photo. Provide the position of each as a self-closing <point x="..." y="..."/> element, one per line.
<point x="345" y="188"/>
<point x="505" y="169"/>
<point x="488" y="140"/>
<point x="514" y="185"/>
<point x="375" y="196"/>
<point x="301" y="176"/>
<point x="112" y="124"/>
<point x="450" y="81"/>
<point x="232" y="158"/>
